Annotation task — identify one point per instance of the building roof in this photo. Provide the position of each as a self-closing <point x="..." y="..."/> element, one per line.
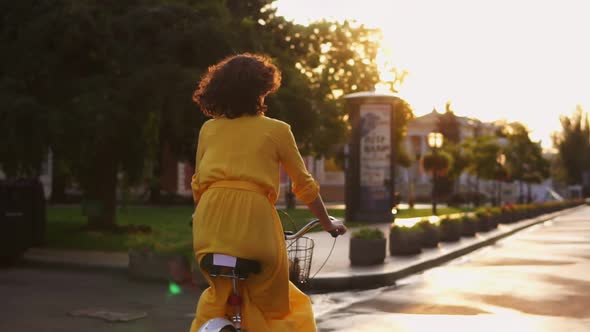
<point x="369" y="94"/>
<point x="429" y="121"/>
<point x="432" y="118"/>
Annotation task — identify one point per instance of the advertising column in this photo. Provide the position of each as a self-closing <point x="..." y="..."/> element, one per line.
<point x="375" y="157"/>
<point x="370" y="156"/>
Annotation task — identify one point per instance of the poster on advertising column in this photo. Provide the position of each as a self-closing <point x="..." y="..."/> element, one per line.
<point x="375" y="156"/>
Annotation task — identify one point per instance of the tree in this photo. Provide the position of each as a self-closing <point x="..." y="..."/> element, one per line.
<point x="106" y="85"/>
<point x="459" y="161"/>
<point x="335" y="59"/>
<point x="438" y="163"/>
<point x="524" y="158"/>
<point x="114" y="79"/>
<point x="25" y="63"/>
<point x="538" y="169"/>
<point x="481" y="153"/>
<point x="448" y="125"/>
<point x="573" y="146"/>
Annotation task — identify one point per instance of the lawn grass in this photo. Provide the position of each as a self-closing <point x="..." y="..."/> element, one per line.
<point x="170" y="227"/>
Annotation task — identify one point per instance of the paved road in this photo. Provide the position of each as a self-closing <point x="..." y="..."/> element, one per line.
<point x="537" y="280"/>
<point x="41" y="300"/>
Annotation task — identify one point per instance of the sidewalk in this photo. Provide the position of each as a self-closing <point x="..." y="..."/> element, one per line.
<point x="337" y="274"/>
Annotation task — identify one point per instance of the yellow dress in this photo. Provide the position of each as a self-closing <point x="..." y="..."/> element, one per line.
<point x="236" y="221"/>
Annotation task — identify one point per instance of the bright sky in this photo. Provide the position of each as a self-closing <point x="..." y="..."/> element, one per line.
<point x="520" y="60"/>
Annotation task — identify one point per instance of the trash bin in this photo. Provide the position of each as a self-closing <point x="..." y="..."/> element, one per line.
<point x="22" y="216"/>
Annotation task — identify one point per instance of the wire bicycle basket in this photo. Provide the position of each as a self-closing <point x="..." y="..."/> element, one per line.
<point x="300" y="253"/>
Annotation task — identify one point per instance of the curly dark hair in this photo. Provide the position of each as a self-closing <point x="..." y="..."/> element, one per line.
<point x="237" y="86"/>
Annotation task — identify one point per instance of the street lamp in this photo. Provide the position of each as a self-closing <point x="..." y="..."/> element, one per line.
<point x="435" y="141"/>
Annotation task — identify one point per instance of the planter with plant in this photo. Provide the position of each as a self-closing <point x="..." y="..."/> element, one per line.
<point x="367" y="247"/>
<point x="430" y="232"/>
<point x="493" y="217"/>
<point x="482" y="221"/>
<point x="507" y="214"/>
<point x="520" y="212"/>
<point x="450" y="229"/>
<point x="468" y="226"/>
<point x="153" y="260"/>
<point x="405" y="240"/>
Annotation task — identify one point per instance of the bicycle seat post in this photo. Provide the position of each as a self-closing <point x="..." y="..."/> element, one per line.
<point x="236" y="301"/>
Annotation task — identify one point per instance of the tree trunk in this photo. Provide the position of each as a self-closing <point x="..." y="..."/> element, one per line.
<point x="529" y="197"/>
<point x="102" y="194"/>
<point x="58" y="183"/>
<point x="434" y="212"/>
<point x="156" y="180"/>
<point x="477" y="200"/>
<point x="155" y="184"/>
<point x="495" y="193"/>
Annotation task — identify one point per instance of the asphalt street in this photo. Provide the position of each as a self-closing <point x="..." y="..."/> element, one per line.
<point x="43" y="300"/>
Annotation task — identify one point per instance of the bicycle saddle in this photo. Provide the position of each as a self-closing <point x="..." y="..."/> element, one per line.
<point x="214" y="263"/>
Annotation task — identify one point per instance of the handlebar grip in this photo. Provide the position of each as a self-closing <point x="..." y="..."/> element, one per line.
<point x="334" y="233"/>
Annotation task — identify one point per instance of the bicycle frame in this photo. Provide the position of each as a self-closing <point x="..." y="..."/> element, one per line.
<point x="235" y="300"/>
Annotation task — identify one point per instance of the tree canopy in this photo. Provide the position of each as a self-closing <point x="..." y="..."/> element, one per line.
<point x="448" y="125"/>
<point x="107" y="85"/>
<point x="573" y="146"/>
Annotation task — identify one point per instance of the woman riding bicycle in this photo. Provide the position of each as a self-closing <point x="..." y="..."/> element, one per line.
<point x="235" y="187"/>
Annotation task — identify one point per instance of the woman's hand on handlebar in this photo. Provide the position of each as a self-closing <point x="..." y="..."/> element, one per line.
<point x="329" y="224"/>
<point x="335" y="228"/>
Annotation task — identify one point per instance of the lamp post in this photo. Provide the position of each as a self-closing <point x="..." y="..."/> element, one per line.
<point x="435" y="141"/>
<point x="501" y="160"/>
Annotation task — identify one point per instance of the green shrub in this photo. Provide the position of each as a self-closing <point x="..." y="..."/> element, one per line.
<point x="368" y="233"/>
<point x="469" y="226"/>
<point x="450" y="229"/>
<point x="494" y="211"/>
<point x="482" y="221"/>
<point x="162" y="245"/>
<point x="430" y="233"/>
<point x="439" y="162"/>
<point x="405" y="240"/>
<point x="479" y="213"/>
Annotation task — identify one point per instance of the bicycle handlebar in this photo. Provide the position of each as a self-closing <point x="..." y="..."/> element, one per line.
<point x="304" y="230"/>
<point x="308" y="227"/>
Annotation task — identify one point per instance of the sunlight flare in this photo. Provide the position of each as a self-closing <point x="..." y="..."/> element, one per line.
<point x="521" y="61"/>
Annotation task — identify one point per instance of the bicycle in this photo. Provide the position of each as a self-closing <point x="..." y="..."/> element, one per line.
<point x="238" y="269"/>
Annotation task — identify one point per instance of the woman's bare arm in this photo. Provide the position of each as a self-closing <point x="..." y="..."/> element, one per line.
<point x="318" y="209"/>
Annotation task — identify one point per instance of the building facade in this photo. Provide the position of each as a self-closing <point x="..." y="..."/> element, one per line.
<point x="415" y="181"/>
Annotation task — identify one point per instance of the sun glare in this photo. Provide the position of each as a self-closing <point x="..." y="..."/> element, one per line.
<point x="516" y="60"/>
